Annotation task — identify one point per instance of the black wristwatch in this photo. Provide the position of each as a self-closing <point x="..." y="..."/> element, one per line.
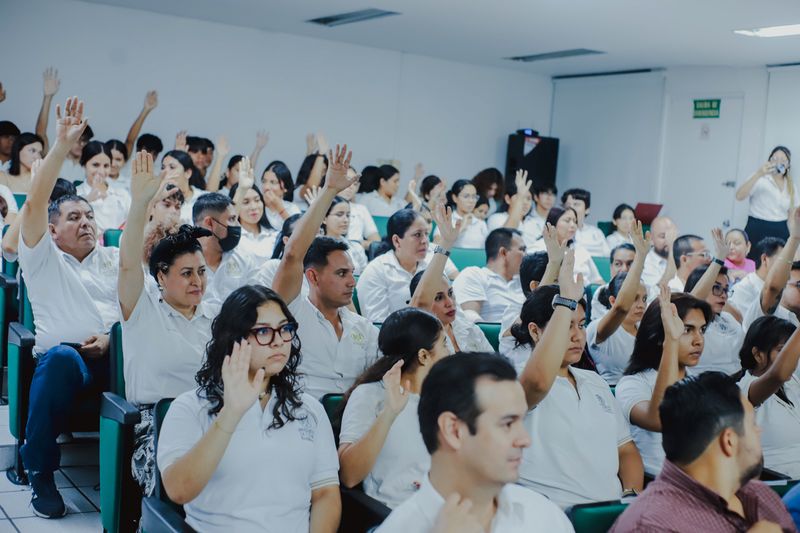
<point x="566" y="302"/>
<point x="720" y="262"/>
<point x="441" y="250"/>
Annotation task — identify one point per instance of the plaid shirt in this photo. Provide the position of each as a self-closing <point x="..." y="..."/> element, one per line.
<point x="676" y="502"/>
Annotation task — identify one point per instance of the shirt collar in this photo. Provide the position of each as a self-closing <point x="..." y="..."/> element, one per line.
<point x="203" y="309"/>
<point x="674" y="476"/>
<point x="429" y="500"/>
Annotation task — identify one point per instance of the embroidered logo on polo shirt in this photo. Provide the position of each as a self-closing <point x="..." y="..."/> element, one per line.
<point x="358" y="337"/>
<point x="308" y="426"/>
<point x="232" y="269"/>
<point x="603" y="403"/>
<point x="108" y="267"/>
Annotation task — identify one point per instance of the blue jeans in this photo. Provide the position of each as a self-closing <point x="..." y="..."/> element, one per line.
<point x="61" y="378"/>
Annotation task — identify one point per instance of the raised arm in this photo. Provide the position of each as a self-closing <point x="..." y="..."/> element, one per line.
<point x="212" y="183"/>
<point x="627" y="293"/>
<point x="706" y="282"/>
<point x="68" y="131"/>
<point x="555" y="255"/>
<point x="743" y="192"/>
<point x="645" y="414"/>
<point x="671" y="269"/>
<point x="246" y="181"/>
<point x="150" y="103"/>
<point x="315" y="175"/>
<point x="262" y="138"/>
<point x="515" y="213"/>
<point x="778" y="274"/>
<point x="425" y="294"/>
<point x="144" y="186"/>
<point x="289" y="277"/>
<point x="542" y="367"/>
<point x="411" y="196"/>
<point x="779" y="372"/>
<point x="51" y="85"/>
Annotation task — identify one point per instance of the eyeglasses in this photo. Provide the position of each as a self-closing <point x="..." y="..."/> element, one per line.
<point x="705" y="254"/>
<point x="265" y="335"/>
<point x="718" y="290"/>
<point x="468" y="196"/>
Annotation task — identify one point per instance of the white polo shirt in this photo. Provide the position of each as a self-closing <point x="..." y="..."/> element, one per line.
<point x="768" y="202"/>
<point x="754" y="311"/>
<point x="654" y="267"/>
<point x="109" y="212"/>
<point x="358" y="256"/>
<point x="472" y="236"/>
<point x="780" y="426"/>
<point x="188" y="204"/>
<point x="576" y="436"/>
<point x="519" y="510"/>
<point x="510" y="317"/>
<point x="274" y="217"/>
<point x="265" y="477"/>
<point x="403" y="462"/>
<point x="630" y="391"/>
<point x="593" y="240"/>
<point x="362" y="224"/>
<point x="266" y="274"/>
<point x="723" y="340"/>
<point x="71" y="300"/>
<point x="237" y="269"/>
<point x="378" y="206"/>
<point x="383" y="287"/>
<point x="162" y="349"/>
<point x="479" y="284"/>
<point x="746" y="291"/>
<point x="613" y="354"/>
<point x="676" y="285"/>
<point x="468" y="335"/>
<point x="330" y="364"/>
<point x="530" y="227"/>
<point x="260" y="245"/>
<point x="615" y="239"/>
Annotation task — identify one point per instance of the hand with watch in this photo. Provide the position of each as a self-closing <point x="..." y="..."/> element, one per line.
<point x="571" y="286"/>
<point x="448" y="230"/>
<point x="721" y="248"/>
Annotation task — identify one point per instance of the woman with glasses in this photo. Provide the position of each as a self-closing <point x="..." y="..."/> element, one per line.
<point x="247" y="449"/>
<point x="380" y="442"/>
<point x="770" y="192"/>
<point x="461" y="198"/>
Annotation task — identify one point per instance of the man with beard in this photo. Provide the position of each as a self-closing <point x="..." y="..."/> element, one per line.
<point x="663" y="232"/>
<point x="713" y="459"/>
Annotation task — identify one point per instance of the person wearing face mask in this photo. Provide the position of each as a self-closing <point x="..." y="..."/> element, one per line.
<point x="770" y="193"/>
<point x="228" y="266"/>
<point x="110" y="204"/>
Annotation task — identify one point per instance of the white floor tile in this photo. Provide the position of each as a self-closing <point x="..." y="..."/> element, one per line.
<point x="6" y="527"/>
<point x="7" y="486"/>
<point x="17" y="504"/>
<point x="73" y="523"/>
<point x="93" y="495"/>
<point x="82" y="476"/>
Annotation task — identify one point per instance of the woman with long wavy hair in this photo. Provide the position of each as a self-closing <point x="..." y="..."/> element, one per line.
<point x="248" y="429"/>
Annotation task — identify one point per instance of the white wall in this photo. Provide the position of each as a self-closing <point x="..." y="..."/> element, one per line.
<point x="217" y="79"/>
<point x="783" y="113"/>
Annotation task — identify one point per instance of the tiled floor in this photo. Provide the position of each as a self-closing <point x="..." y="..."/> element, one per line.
<point x="78" y="483"/>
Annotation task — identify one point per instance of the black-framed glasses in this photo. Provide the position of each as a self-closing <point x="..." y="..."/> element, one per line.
<point x="264" y="335"/>
<point x="719" y="290"/>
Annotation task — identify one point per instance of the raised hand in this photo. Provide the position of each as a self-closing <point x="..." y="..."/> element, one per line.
<point x="455" y="517"/>
<point x="69" y="127"/>
<point x="338" y="164"/>
<point x="180" y="141"/>
<point x="240" y="392"/>
<point x="222" y="146"/>
<point x="412" y="186"/>
<point x="246" y="178"/>
<point x="641" y="241"/>
<point x="766" y="169"/>
<point x="312" y="193"/>
<point x="322" y="144"/>
<point x="35" y="168"/>
<point x="273" y="202"/>
<point x="570" y="286"/>
<point x="395" y="392"/>
<point x="150" y="101"/>
<point x="262" y="138"/>
<point x="51" y="81"/>
<point x="419" y="171"/>
<point x="721" y="248"/>
<point x="311" y="143"/>
<point x="523" y="184"/>
<point x="673" y="325"/>
<point x="448" y="231"/>
<point x="144" y="184"/>
<point x="555" y="250"/>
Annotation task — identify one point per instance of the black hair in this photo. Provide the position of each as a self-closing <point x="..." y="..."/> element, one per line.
<point x="398" y="224"/>
<point x="92" y="149"/>
<point x="482" y="200"/>
<point x="621" y="208"/>
<point x="683" y="246"/>
<point x="763" y="335"/>
<point x="624" y="246"/>
<point x="198" y="144"/>
<point x="321" y="247"/>
<point x="119" y="146"/>
<point x="149" y="143"/>
<point x="612" y="289"/>
<point x="650" y="336"/>
<point x="499" y="238"/>
<point x="455" y="190"/>
<point x="61" y="188"/>
<point x="183" y="159"/>
<point x="284" y="175"/>
<point x="532" y="269"/>
<point x="450" y="387"/>
<point x="697" y="273"/>
<point x="182" y="242"/>
<point x="8" y="128"/>
<point x="768" y="246"/>
<point x="232" y="162"/>
<point x="697" y="409"/>
<point x="427" y="185"/>
<point x="537" y="309"/>
<point x="54" y="209"/>
<point x="370" y="178"/>
<point x="213" y="202"/>
<point x="743" y="232"/>
<point x="336" y="201"/>
<point x="540" y="187"/>
<point x="578" y="194"/>
<point x="306" y="166"/>
<point x="487" y="177"/>
<point x="403" y="334"/>
<point x="22" y="140"/>
<point x="263" y="221"/>
<point x="510" y="191"/>
<point x="385" y="172"/>
<point x="87" y="134"/>
<point x="236" y="318"/>
<point x="286" y="231"/>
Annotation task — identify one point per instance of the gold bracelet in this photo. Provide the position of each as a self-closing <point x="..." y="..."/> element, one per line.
<point x="219" y="427"/>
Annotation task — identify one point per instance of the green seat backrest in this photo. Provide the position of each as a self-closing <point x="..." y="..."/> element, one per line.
<point x="782" y="486"/>
<point x="25" y="310"/>
<point x="331" y="403"/>
<point x="20" y="198"/>
<point x="603" y="266"/>
<point x="606" y="227"/>
<point x="159" y="413"/>
<point x="595" y="517"/>
<point x="111" y="237"/>
<point x="116" y="362"/>
<point x="467" y="257"/>
<point x="355" y="301"/>
<point x="380" y="223"/>
<point x="492" y="332"/>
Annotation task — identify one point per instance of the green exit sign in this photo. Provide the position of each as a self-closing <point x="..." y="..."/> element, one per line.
<point x="706" y="108"/>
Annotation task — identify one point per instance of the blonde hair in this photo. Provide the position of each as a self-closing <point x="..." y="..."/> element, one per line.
<point x="787" y="175"/>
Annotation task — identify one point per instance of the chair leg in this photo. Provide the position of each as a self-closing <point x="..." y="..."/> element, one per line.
<point x="16" y="474"/>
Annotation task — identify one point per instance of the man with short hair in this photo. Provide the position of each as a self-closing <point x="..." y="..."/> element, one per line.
<point x="151" y="144"/>
<point x="338" y="344"/>
<point x="663" y="232"/>
<point x="621" y="260"/>
<point x="749" y="287"/>
<point x="471" y="412"/>
<point x="689" y="252"/>
<point x="485" y="292"/>
<point x="8" y="134"/>
<point x="544" y="196"/>
<point x="588" y="236"/>
<point x="709" y="481"/>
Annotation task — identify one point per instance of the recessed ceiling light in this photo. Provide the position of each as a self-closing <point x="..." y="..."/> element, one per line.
<point x="555" y="55"/>
<point x="351" y="17"/>
<point x="772" y="31"/>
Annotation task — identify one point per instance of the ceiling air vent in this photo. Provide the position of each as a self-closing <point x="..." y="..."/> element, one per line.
<point x="556" y="55"/>
<point x="353" y="16"/>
